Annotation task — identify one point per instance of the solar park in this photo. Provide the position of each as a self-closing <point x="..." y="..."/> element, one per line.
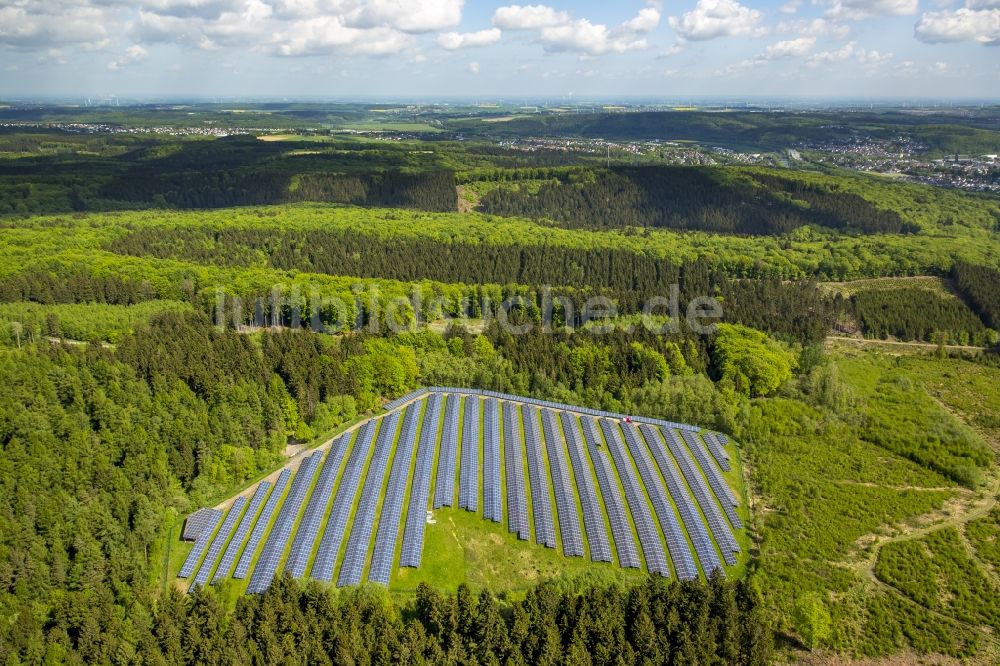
<point x="634" y="493"/>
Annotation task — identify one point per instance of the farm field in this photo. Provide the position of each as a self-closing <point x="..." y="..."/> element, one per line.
<point x="697" y="513"/>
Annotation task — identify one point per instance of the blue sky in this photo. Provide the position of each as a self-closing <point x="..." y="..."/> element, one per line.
<point x="489" y="50"/>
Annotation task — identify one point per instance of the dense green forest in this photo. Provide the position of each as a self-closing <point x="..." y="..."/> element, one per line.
<point x="157" y="360"/>
<point x="978" y="285"/>
<point x="915" y="313"/>
<point x="686" y="198"/>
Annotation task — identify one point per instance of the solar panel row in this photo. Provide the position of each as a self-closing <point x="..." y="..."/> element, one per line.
<point x="305" y="536"/>
<point x="468" y="490"/>
<point x="263" y="522"/>
<point x="492" y="505"/>
<point x="621" y="531"/>
<point x="693" y="521"/>
<point x="197" y="523"/>
<point x="364" y="517"/>
<point x="274" y="547"/>
<point x="233" y="549"/>
<point x="677" y="545"/>
<point x="715" y="446"/>
<point x="517" y="502"/>
<point x="721" y="530"/>
<point x="392" y="503"/>
<point x="402" y="400"/>
<point x="569" y="519"/>
<point x="593" y="519"/>
<point x="444" y="488"/>
<point x="220" y="540"/>
<point x="333" y="535"/>
<point x="649" y="537"/>
<point x="715" y="480"/>
<point x="201" y="543"/>
<point x="541" y="505"/>
<point x="558" y="406"/>
<point x="416" y="513"/>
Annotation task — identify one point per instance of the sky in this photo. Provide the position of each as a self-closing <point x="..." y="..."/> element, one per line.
<point x="490" y="50"/>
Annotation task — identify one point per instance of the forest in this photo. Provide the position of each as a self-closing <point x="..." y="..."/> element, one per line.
<point x="700" y="199"/>
<point x="164" y="338"/>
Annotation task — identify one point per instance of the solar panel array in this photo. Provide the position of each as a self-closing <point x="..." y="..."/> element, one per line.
<point x="220" y="540"/>
<point x="197" y="523"/>
<point x="444" y="488"/>
<point x="559" y="406"/>
<point x="492" y="505"/>
<point x="201" y="543"/>
<point x="685" y="473"/>
<point x="336" y="524"/>
<point x="593" y="519"/>
<point x="541" y="505"/>
<point x="274" y="547"/>
<point x="693" y="522"/>
<point x="715" y="447"/>
<point x="649" y="536"/>
<point x="364" y="517"/>
<point x="621" y="531"/>
<point x="468" y="489"/>
<point x="715" y="480"/>
<point x="416" y="513"/>
<point x="569" y="519"/>
<point x="392" y="503"/>
<point x="249" y="516"/>
<point x="721" y="530"/>
<point x="677" y="545"/>
<point x="263" y="521"/>
<point x="517" y="499"/>
<point x="305" y="536"/>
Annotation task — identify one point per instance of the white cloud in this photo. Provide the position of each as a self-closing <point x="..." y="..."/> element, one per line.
<point x="827" y="57"/>
<point x="792" y="48"/>
<point x="133" y="54"/>
<point x="790" y="7"/>
<point x="962" y="25"/>
<point x="644" y="21"/>
<point x="329" y="34"/>
<point x="473" y="67"/>
<point x="414" y="16"/>
<point x="983" y="4"/>
<point x="853" y="10"/>
<point x="459" y="40"/>
<point x="678" y="47"/>
<point x="557" y="31"/>
<point x="818" y="27"/>
<point x="717" y="18"/>
<point x="872" y="59"/>
<point x="582" y="36"/>
<point x="38" y="26"/>
<point x="528" y="17"/>
<point x="206" y="9"/>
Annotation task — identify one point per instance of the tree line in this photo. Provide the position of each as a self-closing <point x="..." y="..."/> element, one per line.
<point x="915" y="313"/>
<point x="692" y="199"/>
<point x="794" y="310"/>
<point x="980" y="287"/>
